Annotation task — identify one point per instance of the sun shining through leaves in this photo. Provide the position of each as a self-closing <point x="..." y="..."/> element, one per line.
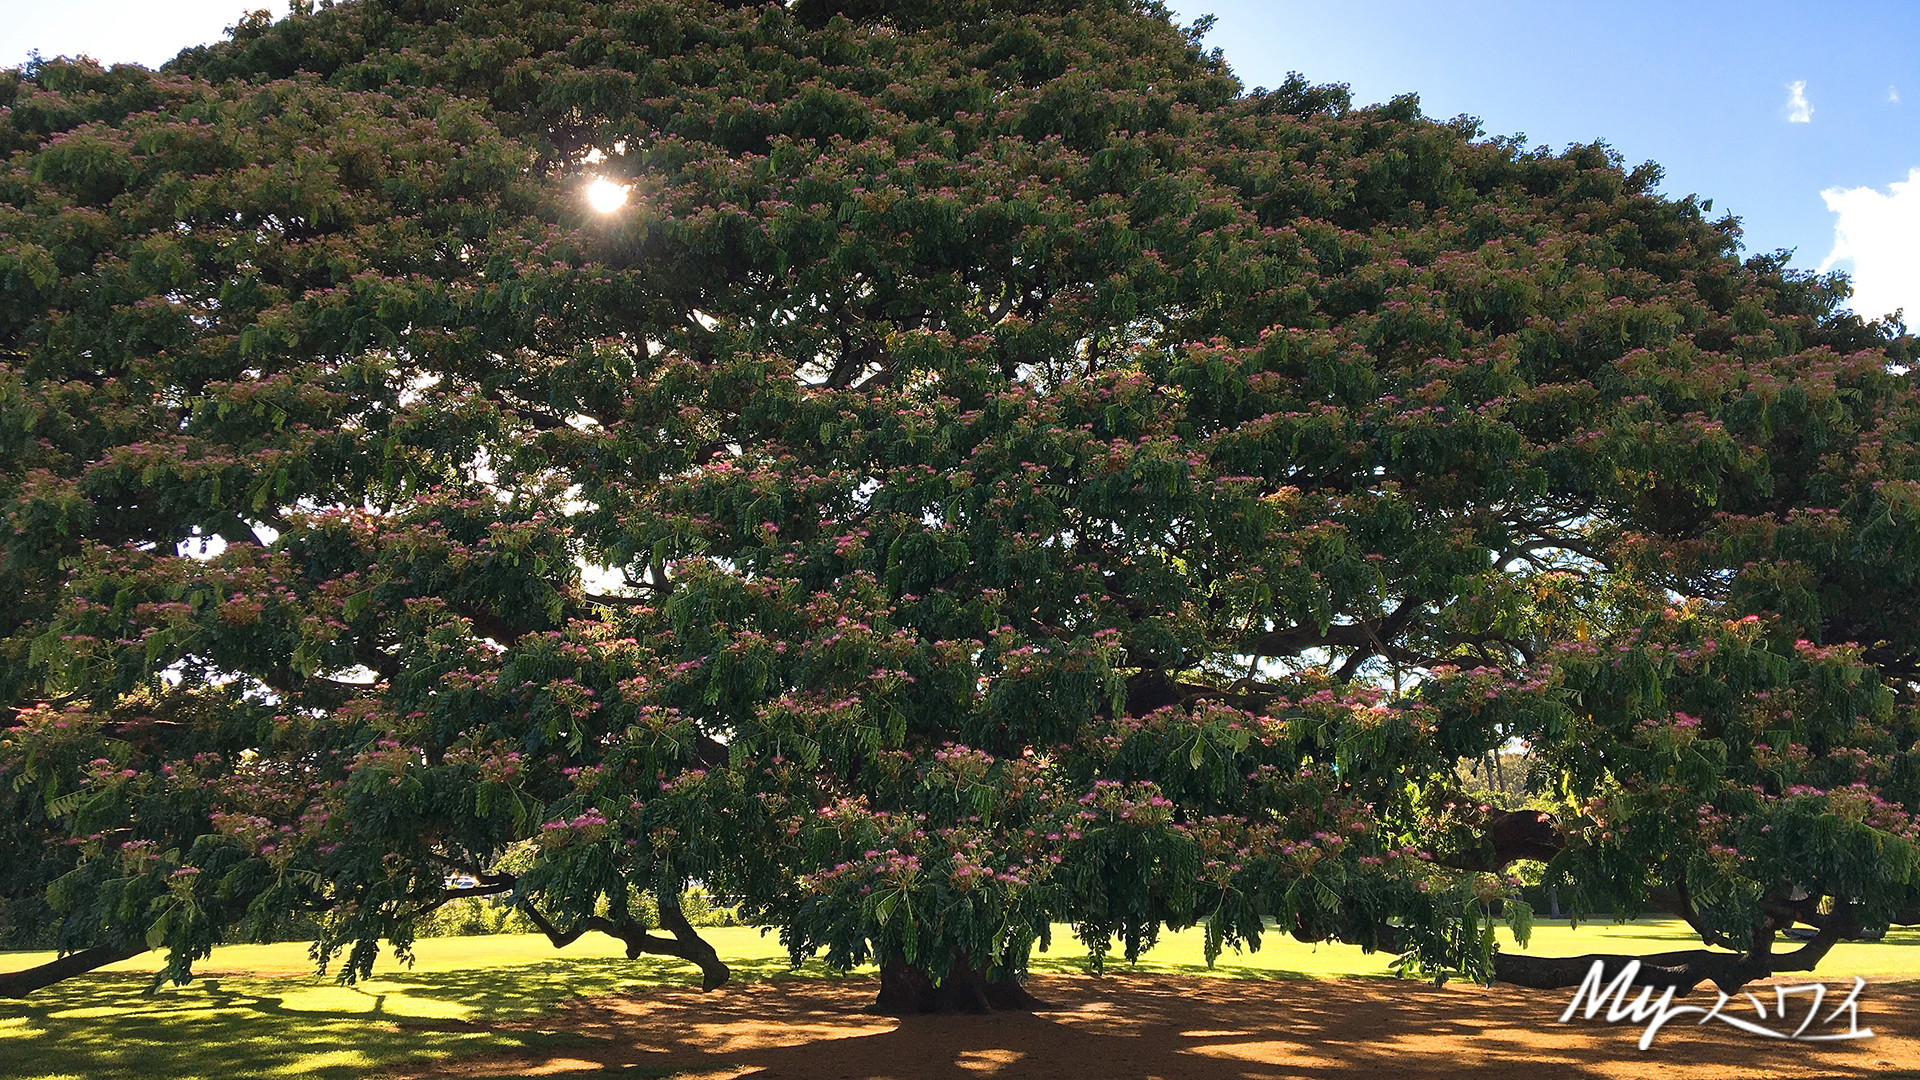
<point x="605" y="196"/>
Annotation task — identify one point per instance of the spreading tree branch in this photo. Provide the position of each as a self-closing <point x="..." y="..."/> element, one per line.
<point x="685" y="944"/>
<point x="16" y="984"/>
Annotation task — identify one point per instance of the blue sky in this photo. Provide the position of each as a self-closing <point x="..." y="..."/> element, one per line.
<point x="1704" y="87"/>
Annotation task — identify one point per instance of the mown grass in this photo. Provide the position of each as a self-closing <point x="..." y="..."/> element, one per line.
<point x="258" y="1011"/>
<point x="1281" y="957"/>
<point x="261" y="1012"/>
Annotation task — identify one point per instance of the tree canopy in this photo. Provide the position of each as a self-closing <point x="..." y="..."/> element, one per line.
<point x="993" y="471"/>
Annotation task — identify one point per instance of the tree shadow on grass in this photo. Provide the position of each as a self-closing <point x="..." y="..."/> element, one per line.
<point x="498" y="993"/>
<point x="1137" y="1027"/>
<point x="106" y="1026"/>
<point x="596" y="1016"/>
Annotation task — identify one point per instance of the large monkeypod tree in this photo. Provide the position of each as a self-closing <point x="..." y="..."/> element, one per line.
<point x="932" y="473"/>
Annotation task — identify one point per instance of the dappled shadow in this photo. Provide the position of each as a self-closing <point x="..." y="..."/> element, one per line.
<point x="1134" y="1027"/>
<point x="504" y="992"/>
<point x="107" y="1024"/>
<point x="597" y="1015"/>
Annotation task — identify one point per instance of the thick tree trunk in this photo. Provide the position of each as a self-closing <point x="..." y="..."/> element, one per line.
<point x="15" y="984"/>
<point x="695" y="949"/>
<point x="906" y="990"/>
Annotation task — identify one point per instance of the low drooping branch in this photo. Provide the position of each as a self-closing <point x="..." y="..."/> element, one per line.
<point x="685" y="944"/>
<point x="1684" y="969"/>
<point x="1525" y="834"/>
<point x="16" y="984"/>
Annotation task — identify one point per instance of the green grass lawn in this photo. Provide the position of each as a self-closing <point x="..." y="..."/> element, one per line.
<point x="260" y="1012"/>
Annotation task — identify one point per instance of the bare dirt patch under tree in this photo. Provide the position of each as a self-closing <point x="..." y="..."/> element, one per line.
<point x="1173" y="1027"/>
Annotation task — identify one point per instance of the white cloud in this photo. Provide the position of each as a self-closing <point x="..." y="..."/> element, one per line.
<point x="1799" y="110"/>
<point x="1893" y="94"/>
<point x="1879" y="232"/>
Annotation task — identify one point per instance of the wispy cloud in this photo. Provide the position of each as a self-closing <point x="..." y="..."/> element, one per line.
<point x="1879" y="232"/>
<point x="1893" y="94"/>
<point x="1799" y="109"/>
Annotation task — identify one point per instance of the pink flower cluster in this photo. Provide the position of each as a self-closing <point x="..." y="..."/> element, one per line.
<point x="587" y="826"/>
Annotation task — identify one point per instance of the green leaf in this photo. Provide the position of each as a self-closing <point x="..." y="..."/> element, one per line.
<point x="157" y="933"/>
<point x="65" y="805"/>
<point x="1519" y="915"/>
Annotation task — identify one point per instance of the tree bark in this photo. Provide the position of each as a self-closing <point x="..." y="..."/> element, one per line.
<point x="1683" y="970"/>
<point x="16" y="984"/>
<point x="906" y="990"/>
<point x="713" y="973"/>
<point x="685" y="944"/>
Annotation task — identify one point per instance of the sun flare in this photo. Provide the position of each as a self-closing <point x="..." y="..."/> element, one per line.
<point x="606" y="196"/>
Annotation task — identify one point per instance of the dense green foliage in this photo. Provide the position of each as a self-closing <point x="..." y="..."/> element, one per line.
<point x="992" y="471"/>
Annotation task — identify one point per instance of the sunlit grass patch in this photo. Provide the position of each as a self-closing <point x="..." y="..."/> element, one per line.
<point x="105" y="1026"/>
<point x="1280" y="956"/>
